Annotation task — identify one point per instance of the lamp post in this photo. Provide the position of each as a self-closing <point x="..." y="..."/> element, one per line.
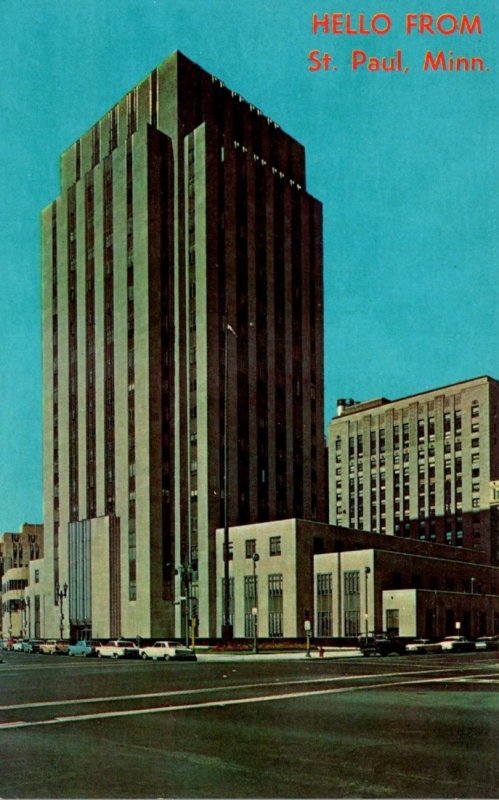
<point x="27" y="609"/>
<point x="24" y="627"/>
<point x="254" y="610"/>
<point x="61" y="592"/>
<point x="472" y="580"/>
<point x="367" y="571"/>
<point x="185" y="572"/>
<point x="226" y="625"/>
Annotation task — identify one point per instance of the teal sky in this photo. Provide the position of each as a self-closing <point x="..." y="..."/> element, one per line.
<point x="406" y="165"/>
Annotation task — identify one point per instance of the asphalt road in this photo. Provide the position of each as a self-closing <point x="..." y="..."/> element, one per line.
<point x="411" y="726"/>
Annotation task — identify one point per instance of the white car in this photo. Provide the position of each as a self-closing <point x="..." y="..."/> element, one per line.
<point x="487" y="643"/>
<point x="118" y="648"/>
<point x="423" y="646"/>
<point x="456" y="644"/>
<point x="167" y="651"/>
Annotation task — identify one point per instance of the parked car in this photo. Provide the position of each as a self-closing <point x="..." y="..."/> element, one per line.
<point x="168" y="651"/>
<point x="118" y="648"/>
<point x="487" y="643"/>
<point x="17" y="646"/>
<point x="84" y="648"/>
<point x="10" y="642"/>
<point x="54" y="647"/>
<point x="456" y="644"/>
<point x="423" y="646"/>
<point x="32" y="645"/>
<point x="380" y="644"/>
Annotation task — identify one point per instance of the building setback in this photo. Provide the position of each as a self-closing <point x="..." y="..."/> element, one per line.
<point x="183" y="210"/>
<point x="420" y="467"/>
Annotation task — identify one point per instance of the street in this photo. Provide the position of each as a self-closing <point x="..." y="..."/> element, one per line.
<point x="410" y="726"/>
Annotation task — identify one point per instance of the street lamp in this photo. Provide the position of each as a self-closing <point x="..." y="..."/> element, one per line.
<point x="27" y="611"/>
<point x="61" y="592"/>
<point x="24" y="608"/>
<point x="367" y="571"/>
<point x="226" y="625"/>
<point x="472" y="585"/>
<point x="254" y="610"/>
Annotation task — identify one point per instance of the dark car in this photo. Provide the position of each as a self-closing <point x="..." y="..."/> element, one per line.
<point x="380" y="644"/>
<point x="456" y="644"/>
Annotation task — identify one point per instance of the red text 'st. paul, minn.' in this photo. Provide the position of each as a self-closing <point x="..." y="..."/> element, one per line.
<point x="379" y="24"/>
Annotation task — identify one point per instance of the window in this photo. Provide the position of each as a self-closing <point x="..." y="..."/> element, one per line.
<point x="392" y="621"/>
<point x="250" y="546"/>
<point x="382" y="440"/>
<point x="351" y="581"/>
<point x="396" y="436"/>
<point x="420" y="430"/>
<point x="275" y="546"/>
<point x="275" y="605"/>
<point x="324" y="604"/>
<point x="250" y="602"/>
<point x="231" y="600"/>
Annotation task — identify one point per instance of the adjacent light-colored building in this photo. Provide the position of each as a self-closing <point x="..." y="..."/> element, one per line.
<point x="419" y="467"/>
<point x="182" y="300"/>
<point x="346" y="581"/>
<point x="279" y="583"/>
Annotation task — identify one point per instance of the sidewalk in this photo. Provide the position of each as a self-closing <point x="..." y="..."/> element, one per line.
<point x="265" y="655"/>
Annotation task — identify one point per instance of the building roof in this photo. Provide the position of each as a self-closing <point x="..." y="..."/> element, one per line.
<point x="365" y="405"/>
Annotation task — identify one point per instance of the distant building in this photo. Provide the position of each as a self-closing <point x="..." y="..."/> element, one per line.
<point x="183" y="240"/>
<point x="420" y="467"/>
<point x="18" y="552"/>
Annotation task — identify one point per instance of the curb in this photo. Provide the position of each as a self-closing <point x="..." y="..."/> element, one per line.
<point x="282" y="656"/>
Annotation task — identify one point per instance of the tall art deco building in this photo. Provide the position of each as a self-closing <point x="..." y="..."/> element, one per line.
<point x="184" y="207"/>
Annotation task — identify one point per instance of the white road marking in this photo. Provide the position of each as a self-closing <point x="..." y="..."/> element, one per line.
<point x="225" y="703"/>
<point x="207" y="690"/>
